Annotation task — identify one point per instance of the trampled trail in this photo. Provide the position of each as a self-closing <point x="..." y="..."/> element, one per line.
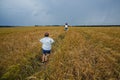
<point x="43" y="67"/>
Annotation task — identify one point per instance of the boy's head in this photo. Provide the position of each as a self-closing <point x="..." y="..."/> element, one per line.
<point x="66" y="23"/>
<point x="46" y="34"/>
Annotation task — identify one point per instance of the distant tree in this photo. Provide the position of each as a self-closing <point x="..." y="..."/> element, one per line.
<point x="36" y="25"/>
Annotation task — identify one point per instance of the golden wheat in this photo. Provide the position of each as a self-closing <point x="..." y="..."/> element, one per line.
<point x="78" y="54"/>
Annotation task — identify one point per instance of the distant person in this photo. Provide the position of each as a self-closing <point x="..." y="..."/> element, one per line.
<point x="66" y="27"/>
<point x="46" y="46"/>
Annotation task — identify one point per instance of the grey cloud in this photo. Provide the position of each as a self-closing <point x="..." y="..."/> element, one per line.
<point x="45" y="12"/>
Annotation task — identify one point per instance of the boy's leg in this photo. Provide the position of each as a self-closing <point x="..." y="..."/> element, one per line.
<point x="43" y="58"/>
<point x="46" y="57"/>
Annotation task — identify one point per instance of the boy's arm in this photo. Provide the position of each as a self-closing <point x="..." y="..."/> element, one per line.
<point x="52" y="41"/>
<point x="41" y="40"/>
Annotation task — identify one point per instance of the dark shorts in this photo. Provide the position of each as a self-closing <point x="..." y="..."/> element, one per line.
<point x="46" y="51"/>
<point x="66" y="29"/>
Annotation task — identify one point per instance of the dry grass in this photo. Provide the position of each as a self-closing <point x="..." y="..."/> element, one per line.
<point x="78" y="54"/>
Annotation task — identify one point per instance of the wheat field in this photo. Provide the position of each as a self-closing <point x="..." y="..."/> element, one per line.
<point x="81" y="53"/>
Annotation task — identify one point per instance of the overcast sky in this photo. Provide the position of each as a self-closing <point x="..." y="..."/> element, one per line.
<point x="57" y="12"/>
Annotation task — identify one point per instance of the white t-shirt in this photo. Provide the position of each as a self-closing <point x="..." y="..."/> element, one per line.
<point x="46" y="43"/>
<point x="66" y="26"/>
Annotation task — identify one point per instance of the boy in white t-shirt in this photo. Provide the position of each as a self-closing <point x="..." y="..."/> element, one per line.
<point x="66" y="27"/>
<point x="46" y="46"/>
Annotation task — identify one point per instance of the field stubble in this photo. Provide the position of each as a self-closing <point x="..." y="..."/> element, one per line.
<point x="78" y="54"/>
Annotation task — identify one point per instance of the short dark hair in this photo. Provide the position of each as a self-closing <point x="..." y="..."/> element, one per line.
<point x="66" y="23"/>
<point x="46" y="34"/>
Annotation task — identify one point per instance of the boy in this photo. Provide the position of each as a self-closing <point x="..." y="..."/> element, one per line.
<point x="46" y="46"/>
<point x="66" y="27"/>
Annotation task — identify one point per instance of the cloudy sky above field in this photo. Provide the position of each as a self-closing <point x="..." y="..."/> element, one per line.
<point x="57" y="12"/>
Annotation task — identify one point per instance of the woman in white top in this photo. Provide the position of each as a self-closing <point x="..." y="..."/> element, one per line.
<point x="46" y="46"/>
